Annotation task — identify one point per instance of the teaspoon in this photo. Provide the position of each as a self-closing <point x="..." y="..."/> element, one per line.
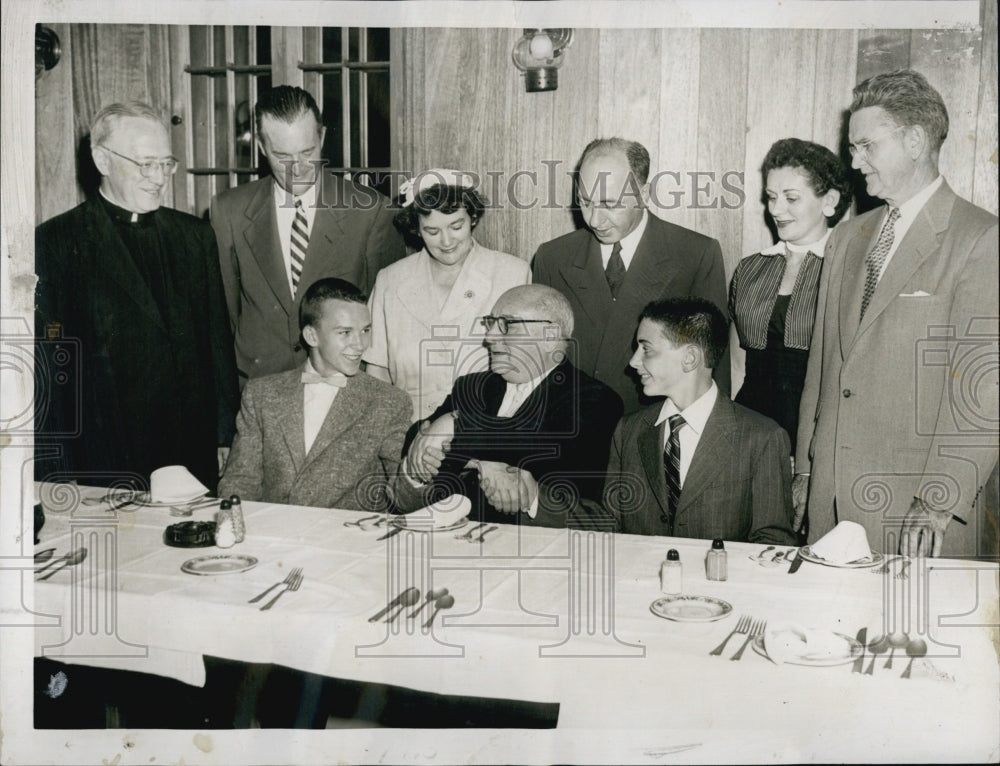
<point x="433" y="595"/>
<point x="445" y="602"/>
<point x="70" y="559"/>
<point x="916" y="647"/>
<point x="897" y="640"/>
<point x="410" y="597"/>
<point x="876" y="646"/>
<point x="45" y="555"/>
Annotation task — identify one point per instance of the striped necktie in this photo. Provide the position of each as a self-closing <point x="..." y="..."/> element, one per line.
<point x="876" y="258"/>
<point x="672" y="468"/>
<point x="299" y="244"/>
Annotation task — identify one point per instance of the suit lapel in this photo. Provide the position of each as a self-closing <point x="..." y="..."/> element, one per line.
<point x="473" y="281"/>
<point x="261" y="236"/>
<point x="853" y="282"/>
<point x="328" y="235"/>
<point x="712" y="451"/>
<point x="585" y="275"/>
<point x="921" y="239"/>
<point x="650" y="446"/>
<point x="650" y="272"/>
<point x="293" y="422"/>
<point x="350" y="404"/>
<point x="115" y="260"/>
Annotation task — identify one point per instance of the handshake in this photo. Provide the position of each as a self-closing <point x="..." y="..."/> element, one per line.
<point x="507" y="488"/>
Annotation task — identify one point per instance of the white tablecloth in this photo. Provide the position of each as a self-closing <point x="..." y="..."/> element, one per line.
<point x="529" y="623"/>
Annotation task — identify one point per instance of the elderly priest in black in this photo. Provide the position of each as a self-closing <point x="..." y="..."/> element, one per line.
<point x="135" y="367"/>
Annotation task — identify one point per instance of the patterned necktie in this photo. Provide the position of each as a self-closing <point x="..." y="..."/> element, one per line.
<point x="615" y="271"/>
<point x="876" y="258"/>
<point x="299" y="244"/>
<point x="672" y="468"/>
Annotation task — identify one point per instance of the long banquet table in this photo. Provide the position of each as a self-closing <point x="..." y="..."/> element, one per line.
<point x="544" y="615"/>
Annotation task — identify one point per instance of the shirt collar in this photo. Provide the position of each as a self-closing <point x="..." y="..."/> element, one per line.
<point x="308" y="196"/>
<point x="817" y="248"/>
<point x="696" y="414"/>
<point x="909" y="209"/>
<point x="121" y="214"/>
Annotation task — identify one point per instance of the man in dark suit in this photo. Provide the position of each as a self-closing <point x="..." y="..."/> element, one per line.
<point x="898" y="419"/>
<point x="527" y="439"/>
<point x="280" y="234"/>
<point x="624" y="259"/>
<point x="135" y="369"/>
<point x="696" y="464"/>
<point x="324" y="434"/>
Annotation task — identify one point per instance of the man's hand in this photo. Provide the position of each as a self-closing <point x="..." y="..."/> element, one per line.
<point x="423" y="461"/>
<point x="507" y="488"/>
<point x="800" y="494"/>
<point x="923" y="530"/>
<point x="222" y="454"/>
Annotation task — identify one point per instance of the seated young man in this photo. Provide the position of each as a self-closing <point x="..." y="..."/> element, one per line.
<point x="697" y="464"/>
<point x="525" y="440"/>
<point x="325" y="434"/>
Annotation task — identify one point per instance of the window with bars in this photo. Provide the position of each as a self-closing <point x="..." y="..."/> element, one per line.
<point x="345" y="68"/>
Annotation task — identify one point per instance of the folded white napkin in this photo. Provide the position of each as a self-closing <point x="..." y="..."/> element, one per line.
<point x="787" y="642"/>
<point x="174" y="484"/>
<point x="443" y="513"/>
<point x="845" y="543"/>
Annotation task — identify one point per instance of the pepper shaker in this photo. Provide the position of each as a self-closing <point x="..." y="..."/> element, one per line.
<point x="239" y="525"/>
<point x="716" y="564"/>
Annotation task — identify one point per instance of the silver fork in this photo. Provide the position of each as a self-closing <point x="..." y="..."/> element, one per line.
<point x="757" y="630"/>
<point x="468" y="535"/>
<point x="293" y="585"/>
<point x="482" y="536"/>
<point x="287" y="581"/>
<point x="902" y="574"/>
<point x="885" y="567"/>
<point x="741" y="627"/>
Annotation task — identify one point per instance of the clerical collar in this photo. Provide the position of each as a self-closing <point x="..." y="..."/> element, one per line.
<point x="122" y="215"/>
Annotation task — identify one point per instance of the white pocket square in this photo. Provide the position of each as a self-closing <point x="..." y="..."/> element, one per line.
<point x="917" y="294"/>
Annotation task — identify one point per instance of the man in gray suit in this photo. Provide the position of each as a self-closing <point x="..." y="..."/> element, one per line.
<point x="280" y="234"/>
<point x="898" y="419"/>
<point x="325" y="434"/>
<point x="697" y="464"/>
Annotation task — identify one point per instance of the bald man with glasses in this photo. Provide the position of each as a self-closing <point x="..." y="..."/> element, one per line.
<point x="135" y="356"/>
<point x="529" y="437"/>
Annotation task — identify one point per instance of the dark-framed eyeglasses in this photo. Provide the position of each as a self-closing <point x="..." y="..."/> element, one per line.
<point x="167" y="166"/>
<point x="502" y="324"/>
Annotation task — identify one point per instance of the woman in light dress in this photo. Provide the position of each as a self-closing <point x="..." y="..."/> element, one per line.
<point x="426" y="308"/>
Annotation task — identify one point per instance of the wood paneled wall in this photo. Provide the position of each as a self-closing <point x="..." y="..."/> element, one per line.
<point x="704" y="101"/>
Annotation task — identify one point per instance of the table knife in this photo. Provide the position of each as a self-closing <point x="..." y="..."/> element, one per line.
<point x="390" y="533"/>
<point x="796" y="563"/>
<point x="860" y="661"/>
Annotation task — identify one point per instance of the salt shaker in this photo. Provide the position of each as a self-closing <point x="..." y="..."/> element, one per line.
<point x="716" y="565"/>
<point x="670" y="573"/>
<point x="239" y="525"/>
<point x="225" y="530"/>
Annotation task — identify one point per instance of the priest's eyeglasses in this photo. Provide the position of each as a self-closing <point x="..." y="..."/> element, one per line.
<point x="167" y="166"/>
<point x="503" y="323"/>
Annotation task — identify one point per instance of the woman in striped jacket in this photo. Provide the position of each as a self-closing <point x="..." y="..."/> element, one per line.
<point x="772" y="297"/>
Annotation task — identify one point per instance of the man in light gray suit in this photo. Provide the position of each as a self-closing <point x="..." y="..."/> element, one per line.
<point x="325" y="434"/>
<point x="898" y="419"/>
<point x="697" y="464"/>
<point x="280" y="234"/>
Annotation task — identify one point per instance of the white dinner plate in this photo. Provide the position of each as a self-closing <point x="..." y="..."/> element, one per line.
<point x="690" y="608"/>
<point x="223" y="563"/>
<point x="876" y="559"/>
<point x="852" y="650"/>
<point x="423" y="526"/>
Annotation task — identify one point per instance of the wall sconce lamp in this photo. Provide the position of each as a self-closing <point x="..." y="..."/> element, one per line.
<point x="539" y="54"/>
<point x="47" y="50"/>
